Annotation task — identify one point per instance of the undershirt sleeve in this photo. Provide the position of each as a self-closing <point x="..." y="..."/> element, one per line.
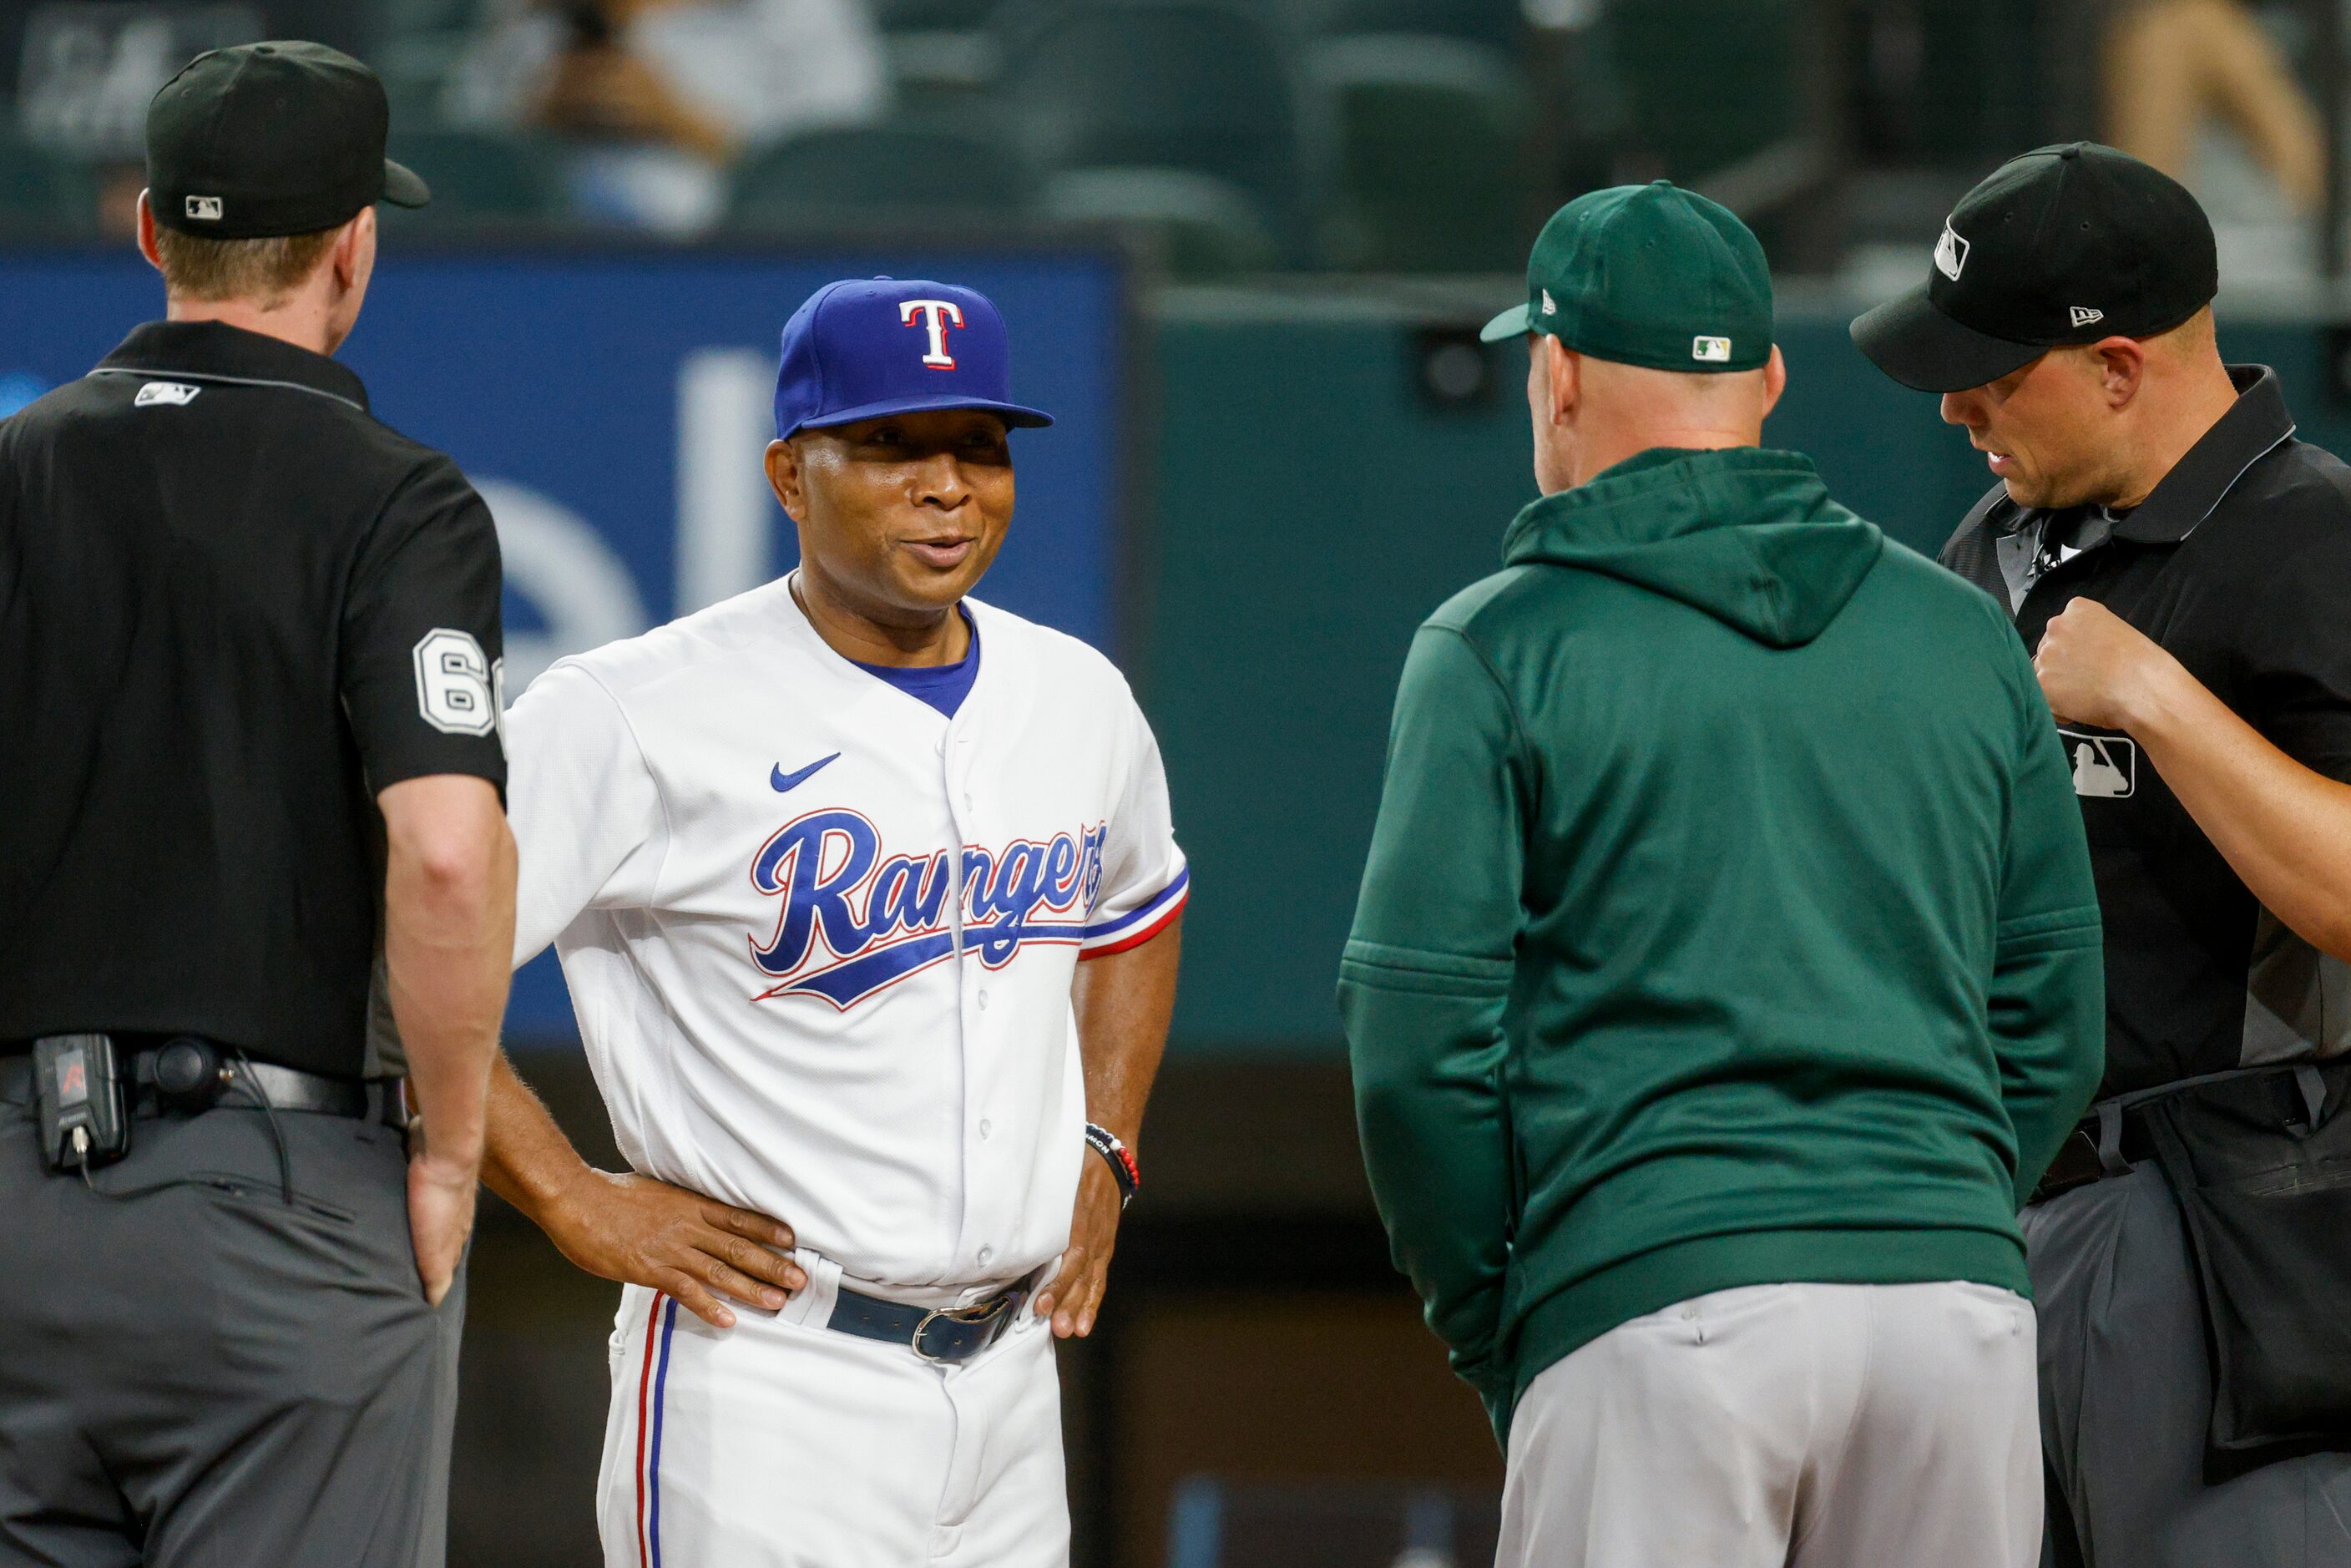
<point x="1144" y="876"/>
<point x="589" y="824"/>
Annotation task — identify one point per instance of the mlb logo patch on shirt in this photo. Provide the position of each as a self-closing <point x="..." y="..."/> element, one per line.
<point x="174" y="394"/>
<point x="2105" y="767"/>
<point x="1710" y="351"/>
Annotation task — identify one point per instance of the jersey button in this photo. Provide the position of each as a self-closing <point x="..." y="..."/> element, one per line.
<point x="986" y="1253"/>
<point x="983" y="1001"/>
<point x="985" y="1128"/>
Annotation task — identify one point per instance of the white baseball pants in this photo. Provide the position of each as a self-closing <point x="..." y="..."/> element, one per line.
<point x="1786" y="1426"/>
<point x="779" y="1443"/>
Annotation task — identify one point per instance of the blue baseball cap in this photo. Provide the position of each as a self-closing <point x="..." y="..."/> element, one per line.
<point x="865" y="347"/>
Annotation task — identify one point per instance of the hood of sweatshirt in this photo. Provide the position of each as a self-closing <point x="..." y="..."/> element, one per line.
<point x="1747" y="535"/>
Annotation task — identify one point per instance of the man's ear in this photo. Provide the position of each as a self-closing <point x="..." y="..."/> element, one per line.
<point x="147" y="232"/>
<point x="1565" y="367"/>
<point x="1775" y="381"/>
<point x="349" y="250"/>
<point x="785" y="479"/>
<point x="2122" y="368"/>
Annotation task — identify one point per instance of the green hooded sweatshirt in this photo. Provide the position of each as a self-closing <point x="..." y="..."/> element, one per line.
<point x="1728" y="920"/>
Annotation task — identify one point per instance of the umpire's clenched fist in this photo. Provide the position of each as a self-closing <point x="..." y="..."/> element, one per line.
<point x="2095" y="668"/>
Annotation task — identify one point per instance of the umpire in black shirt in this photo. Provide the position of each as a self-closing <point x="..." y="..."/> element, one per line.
<point x="2181" y="567"/>
<point x="252" y="850"/>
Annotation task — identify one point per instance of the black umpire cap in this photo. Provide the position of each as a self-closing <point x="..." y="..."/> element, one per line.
<point x="271" y="139"/>
<point x="2062" y="245"/>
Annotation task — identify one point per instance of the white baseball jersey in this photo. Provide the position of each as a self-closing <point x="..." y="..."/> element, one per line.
<point x="820" y="937"/>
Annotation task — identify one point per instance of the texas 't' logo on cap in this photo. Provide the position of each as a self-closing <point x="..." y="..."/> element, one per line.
<point x="937" y="315"/>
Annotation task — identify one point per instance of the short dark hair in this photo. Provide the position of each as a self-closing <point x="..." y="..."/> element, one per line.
<point x="197" y="266"/>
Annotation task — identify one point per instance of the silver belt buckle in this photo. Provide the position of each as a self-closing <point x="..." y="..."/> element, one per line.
<point x="978" y="1312"/>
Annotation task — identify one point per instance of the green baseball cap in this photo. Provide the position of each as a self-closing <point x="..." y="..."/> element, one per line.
<point x="1648" y="275"/>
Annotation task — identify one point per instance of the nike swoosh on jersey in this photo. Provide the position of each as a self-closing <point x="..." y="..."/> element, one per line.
<point x="782" y="782"/>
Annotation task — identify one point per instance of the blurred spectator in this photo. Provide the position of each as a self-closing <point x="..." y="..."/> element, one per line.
<point x="2171" y="64"/>
<point x="662" y="93"/>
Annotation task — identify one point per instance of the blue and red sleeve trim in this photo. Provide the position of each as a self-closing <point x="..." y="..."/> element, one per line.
<point x="1138" y="926"/>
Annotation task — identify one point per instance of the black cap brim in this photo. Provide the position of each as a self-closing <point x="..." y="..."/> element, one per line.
<point x="402" y="187"/>
<point x="1926" y="350"/>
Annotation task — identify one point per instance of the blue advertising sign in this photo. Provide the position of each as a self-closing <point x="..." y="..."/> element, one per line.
<point x="614" y="406"/>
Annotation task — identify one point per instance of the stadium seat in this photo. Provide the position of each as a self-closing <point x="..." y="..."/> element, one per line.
<point x="479" y="177"/>
<point x="1495" y="22"/>
<point x="933" y="16"/>
<point x="1432" y="169"/>
<point x="1666" y="50"/>
<point x="408" y="18"/>
<point x="821" y="178"/>
<point x="943" y="55"/>
<point x="1195" y="226"/>
<point x="42" y="192"/>
<point x="1163" y="85"/>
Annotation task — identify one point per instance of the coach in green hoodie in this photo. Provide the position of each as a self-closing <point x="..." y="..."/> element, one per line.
<point x="1727" y="966"/>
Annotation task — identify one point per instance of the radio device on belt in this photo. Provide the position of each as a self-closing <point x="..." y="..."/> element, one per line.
<point x="78" y="1082"/>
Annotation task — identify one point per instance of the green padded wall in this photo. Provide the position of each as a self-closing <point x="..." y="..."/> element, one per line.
<point x="1309" y="510"/>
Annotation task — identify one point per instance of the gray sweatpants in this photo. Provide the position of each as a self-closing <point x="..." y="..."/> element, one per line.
<point x="2127" y="1401"/>
<point x="194" y="1375"/>
<point x="1785" y="1426"/>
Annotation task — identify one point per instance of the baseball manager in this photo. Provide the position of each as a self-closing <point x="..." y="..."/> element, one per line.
<point x="1726" y="966"/>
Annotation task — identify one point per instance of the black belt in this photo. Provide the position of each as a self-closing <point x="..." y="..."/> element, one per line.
<point x="249" y="1085"/>
<point x="935" y="1333"/>
<point x="2114" y="1138"/>
<point x="2078" y="1162"/>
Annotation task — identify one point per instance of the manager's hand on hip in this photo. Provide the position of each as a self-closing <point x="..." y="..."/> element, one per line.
<point x="440" y="1214"/>
<point x="641" y="1232"/>
<point x="2097" y="668"/>
<point x="1075" y="1294"/>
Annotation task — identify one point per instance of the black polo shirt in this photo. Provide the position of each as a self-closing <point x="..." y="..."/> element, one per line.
<point x="233" y="607"/>
<point x="2240" y="565"/>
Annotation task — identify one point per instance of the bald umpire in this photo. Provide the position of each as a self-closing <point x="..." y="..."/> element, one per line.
<point x="250" y="824"/>
<point x="2181" y="566"/>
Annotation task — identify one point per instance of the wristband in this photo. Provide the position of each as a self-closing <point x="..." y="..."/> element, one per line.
<point x="1120" y="1160"/>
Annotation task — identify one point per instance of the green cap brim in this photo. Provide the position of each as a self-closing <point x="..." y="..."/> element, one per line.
<point x="402" y="188"/>
<point x="1511" y="323"/>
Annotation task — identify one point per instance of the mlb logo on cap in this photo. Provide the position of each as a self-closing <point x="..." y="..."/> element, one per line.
<point x="863" y="347"/>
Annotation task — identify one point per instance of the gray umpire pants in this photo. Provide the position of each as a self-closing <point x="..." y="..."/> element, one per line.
<point x="2127" y="1402"/>
<point x="195" y="1374"/>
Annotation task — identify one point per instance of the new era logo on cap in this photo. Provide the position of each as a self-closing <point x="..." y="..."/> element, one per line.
<point x="1950" y="254"/>
<point x="1710" y="351"/>
<point x="205" y="209"/>
<point x="2083" y="315"/>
